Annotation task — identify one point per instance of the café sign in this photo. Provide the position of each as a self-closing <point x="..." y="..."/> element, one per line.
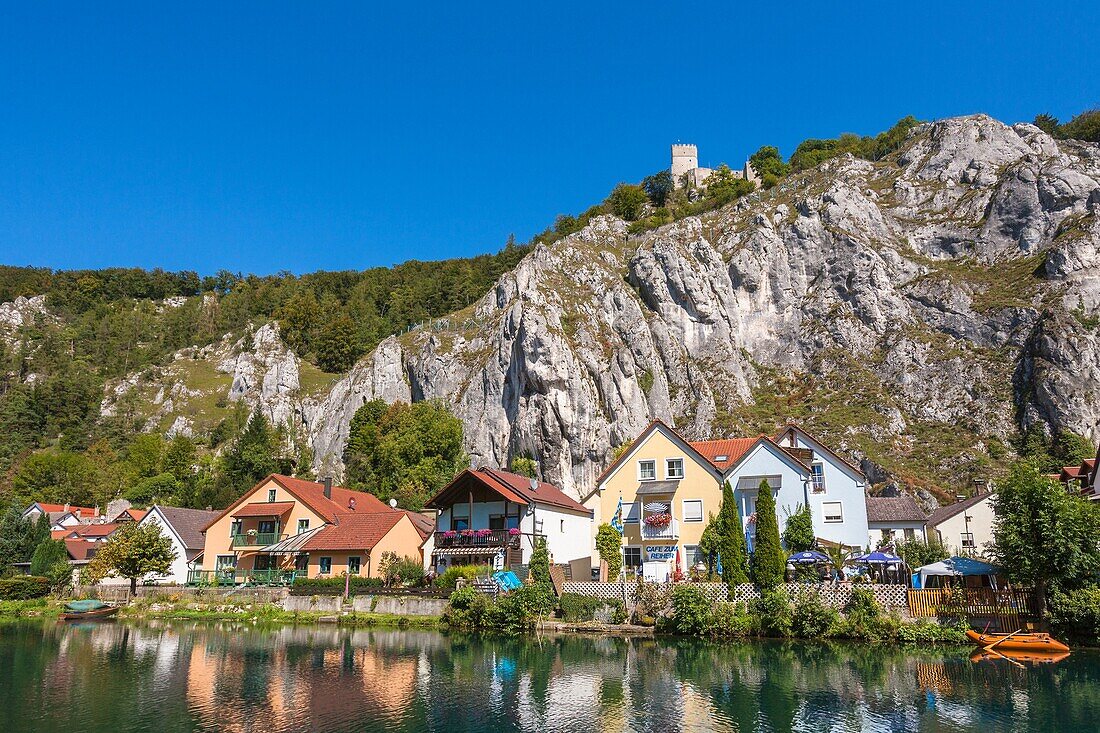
<point x="660" y="552"/>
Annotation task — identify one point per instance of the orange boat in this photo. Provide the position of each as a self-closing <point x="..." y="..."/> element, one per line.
<point x="1030" y="643"/>
<point x="981" y="655"/>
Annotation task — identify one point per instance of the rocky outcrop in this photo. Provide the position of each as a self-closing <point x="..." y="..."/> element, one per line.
<point x="914" y="310"/>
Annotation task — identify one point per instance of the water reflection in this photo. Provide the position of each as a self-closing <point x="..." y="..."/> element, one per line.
<point x="114" y="677"/>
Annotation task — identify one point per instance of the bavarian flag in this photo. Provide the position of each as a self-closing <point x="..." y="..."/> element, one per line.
<point x="617" y="520"/>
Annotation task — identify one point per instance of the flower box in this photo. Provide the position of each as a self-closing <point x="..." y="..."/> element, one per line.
<point x="658" y="520"/>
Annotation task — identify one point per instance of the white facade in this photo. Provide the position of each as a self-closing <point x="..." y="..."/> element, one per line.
<point x="965" y="532"/>
<point x="836" y="483"/>
<point x="895" y="531"/>
<point x="178" y="573"/>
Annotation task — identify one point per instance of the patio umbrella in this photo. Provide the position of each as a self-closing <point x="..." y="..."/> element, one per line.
<point x="809" y="557"/>
<point x="877" y="558"/>
<point x="678" y="561"/>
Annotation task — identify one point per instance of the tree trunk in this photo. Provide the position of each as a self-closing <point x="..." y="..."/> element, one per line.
<point x="133" y="587"/>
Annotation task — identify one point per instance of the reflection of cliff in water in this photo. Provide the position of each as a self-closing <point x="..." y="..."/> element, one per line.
<point x="241" y="679"/>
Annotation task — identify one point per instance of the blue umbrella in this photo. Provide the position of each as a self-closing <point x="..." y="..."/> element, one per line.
<point x="809" y="557"/>
<point x="877" y="558"/>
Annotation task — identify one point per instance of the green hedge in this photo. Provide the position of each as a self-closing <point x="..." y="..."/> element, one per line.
<point x="575" y="607"/>
<point x="24" y="588"/>
<point x="333" y="586"/>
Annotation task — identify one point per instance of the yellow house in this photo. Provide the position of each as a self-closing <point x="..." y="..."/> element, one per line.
<point x="285" y="527"/>
<point x="659" y="477"/>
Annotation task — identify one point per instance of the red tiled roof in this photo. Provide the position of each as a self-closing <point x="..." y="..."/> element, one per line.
<point x="84" y="511"/>
<point x="81" y="550"/>
<point x="732" y="448"/>
<point x="264" y="509"/>
<point x="95" y="530"/>
<point x="355" y="531"/>
<point x="312" y="494"/>
<point x="58" y="534"/>
<point x="137" y="514"/>
<point x="424" y="525"/>
<point x="542" y="492"/>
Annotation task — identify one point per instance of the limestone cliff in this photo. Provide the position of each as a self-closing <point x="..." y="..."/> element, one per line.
<point x="915" y="311"/>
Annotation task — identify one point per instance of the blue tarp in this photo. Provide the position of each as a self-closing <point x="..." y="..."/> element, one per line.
<point x="507" y="580"/>
<point x="956" y="567"/>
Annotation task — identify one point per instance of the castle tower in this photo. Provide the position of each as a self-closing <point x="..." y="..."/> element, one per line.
<point x="684" y="158"/>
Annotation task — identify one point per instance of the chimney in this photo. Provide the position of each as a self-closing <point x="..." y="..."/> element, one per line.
<point x="327" y="481"/>
<point x="77" y="513"/>
<point x="209" y="508"/>
<point x="66" y="506"/>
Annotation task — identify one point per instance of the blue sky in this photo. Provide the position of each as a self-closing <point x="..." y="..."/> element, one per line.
<point x="271" y="136"/>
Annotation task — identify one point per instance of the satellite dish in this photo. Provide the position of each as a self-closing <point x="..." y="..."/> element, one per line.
<point x="534" y="484"/>
<point x="393" y="503"/>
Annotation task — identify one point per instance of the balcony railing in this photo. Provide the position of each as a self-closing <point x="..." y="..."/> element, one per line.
<point x="241" y="577"/>
<point x="669" y="532"/>
<point x="260" y="539"/>
<point x="477" y="538"/>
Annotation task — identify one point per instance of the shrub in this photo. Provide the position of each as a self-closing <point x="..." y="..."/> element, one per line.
<point x="609" y="544"/>
<point x="466" y="609"/>
<point x="400" y="570"/>
<point x="450" y="576"/>
<point x="575" y="607"/>
<point x="729" y="619"/>
<point x="799" y="535"/>
<point x="691" y="611"/>
<point x="1077" y="614"/>
<point x="772" y="613"/>
<point x="540" y="565"/>
<point x="768" y="561"/>
<point x="24" y="588"/>
<point x="811" y="618"/>
<point x="651" y="602"/>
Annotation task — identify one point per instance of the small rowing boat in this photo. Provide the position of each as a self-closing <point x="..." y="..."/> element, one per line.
<point x="90" y="610"/>
<point x="1018" y="642"/>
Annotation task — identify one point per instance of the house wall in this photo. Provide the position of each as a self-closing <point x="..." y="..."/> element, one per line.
<point x="767" y="461"/>
<point x="219" y="542"/>
<point x="895" y="529"/>
<point x="842" y="486"/>
<point x="950" y="531"/>
<point x="569" y="535"/>
<point x="699" y="482"/>
<point x="402" y="539"/>
<point x="178" y="572"/>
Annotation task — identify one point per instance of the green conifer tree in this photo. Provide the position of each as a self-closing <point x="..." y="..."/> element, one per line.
<point x="731" y="544"/>
<point x="768" y="560"/>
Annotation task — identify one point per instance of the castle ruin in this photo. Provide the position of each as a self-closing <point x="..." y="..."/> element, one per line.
<point x="686" y="172"/>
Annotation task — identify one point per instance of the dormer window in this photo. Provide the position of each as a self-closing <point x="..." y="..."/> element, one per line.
<point x="674" y="468"/>
<point x="721" y="458"/>
<point x="647" y="470"/>
<point x="271" y="495"/>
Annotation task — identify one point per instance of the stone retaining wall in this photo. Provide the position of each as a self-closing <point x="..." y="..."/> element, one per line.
<point x="121" y="593"/>
<point x="323" y="604"/>
<point x="400" y="605"/>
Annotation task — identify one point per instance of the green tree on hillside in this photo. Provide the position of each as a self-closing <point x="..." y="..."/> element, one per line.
<point x="627" y="201"/>
<point x="731" y="543"/>
<point x="658" y="187"/>
<point x="407" y="452"/>
<point x="525" y="466"/>
<point x="55" y="476"/>
<point x="769" y="165"/>
<point x="768" y="561"/>
<point x="253" y="454"/>
<point x="337" y="350"/>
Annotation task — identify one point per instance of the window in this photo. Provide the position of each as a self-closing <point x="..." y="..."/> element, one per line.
<point x="460" y="517"/>
<point x="301" y="562"/>
<point x="271" y="495"/>
<point x="303" y="525"/>
<point x="630" y="511"/>
<point x="226" y="561"/>
<point x="693" y="510"/>
<point x="324" y="565"/>
<point x="693" y="556"/>
<point x="562" y="530"/>
<point x="721" y="458"/>
<point x="910" y="535"/>
<point x="832" y="511"/>
<point x="266" y="526"/>
<point x="353" y="565"/>
<point x="674" y="468"/>
<point x="968" y="540"/>
<point x="817" y="475"/>
<point x="632" y="557"/>
<point x="496" y="521"/>
<point x="235" y="528"/>
<point x="647" y="470"/>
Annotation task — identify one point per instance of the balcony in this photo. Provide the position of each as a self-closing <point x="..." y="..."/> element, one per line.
<point x="669" y="532"/>
<point x="259" y="539"/>
<point x="478" y="538"/>
<point x="239" y="577"/>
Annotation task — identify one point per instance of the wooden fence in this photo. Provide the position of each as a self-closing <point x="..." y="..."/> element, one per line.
<point x="1006" y="608"/>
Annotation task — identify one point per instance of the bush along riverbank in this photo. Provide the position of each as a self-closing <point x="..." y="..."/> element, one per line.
<point x="776" y="615"/>
<point x="686" y="611"/>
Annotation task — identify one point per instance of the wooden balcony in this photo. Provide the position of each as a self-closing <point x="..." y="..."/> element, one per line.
<point x="478" y="538"/>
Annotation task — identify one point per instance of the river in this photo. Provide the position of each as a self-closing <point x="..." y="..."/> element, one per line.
<point x="186" y="677"/>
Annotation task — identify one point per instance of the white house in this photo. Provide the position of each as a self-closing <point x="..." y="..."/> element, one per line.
<point x="61" y="515"/>
<point x="892" y="519"/>
<point x="184" y="528"/>
<point x="493" y="517"/>
<point x="965" y="527"/>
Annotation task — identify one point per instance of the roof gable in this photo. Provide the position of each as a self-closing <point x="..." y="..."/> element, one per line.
<point x="510" y="486"/>
<point x="312" y="495"/>
<point x="946" y="512"/>
<point x="668" y="432"/>
<point x="186" y="524"/>
<point x="766" y="443"/>
<point x="820" y="447"/>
